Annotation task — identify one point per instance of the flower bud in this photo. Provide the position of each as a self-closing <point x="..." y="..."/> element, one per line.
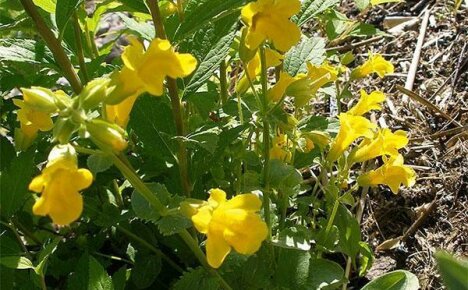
<point x="245" y="53"/>
<point x="63" y="130"/>
<point x="94" y="93"/>
<point x="40" y="99"/>
<point x="167" y="8"/>
<point x="107" y="134"/>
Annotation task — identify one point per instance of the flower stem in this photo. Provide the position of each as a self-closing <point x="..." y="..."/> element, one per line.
<point x="79" y="48"/>
<point x="202" y="258"/>
<point x="223" y="82"/>
<point x="331" y="219"/>
<point x="266" y="143"/>
<point x="54" y="45"/>
<point x="177" y="108"/>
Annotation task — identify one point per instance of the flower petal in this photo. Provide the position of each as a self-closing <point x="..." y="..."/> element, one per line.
<point x="216" y="249"/>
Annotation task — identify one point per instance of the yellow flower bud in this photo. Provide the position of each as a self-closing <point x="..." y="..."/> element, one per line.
<point x="40" y="99"/>
<point x="94" y="93"/>
<point x="63" y="130"/>
<point x="107" y="134"/>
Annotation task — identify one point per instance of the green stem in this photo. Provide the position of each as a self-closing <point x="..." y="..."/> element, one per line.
<point x="150" y="247"/>
<point x="138" y="184"/>
<point x="118" y="193"/>
<point x="266" y="143"/>
<point x="223" y="82"/>
<point x="177" y="108"/>
<point x="54" y="45"/>
<point x="79" y="47"/>
<point x="201" y="257"/>
<point x="331" y="219"/>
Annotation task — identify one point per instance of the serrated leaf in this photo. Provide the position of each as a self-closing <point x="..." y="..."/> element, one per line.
<point x="311" y="8"/>
<point x="308" y="50"/>
<point x="143" y="208"/>
<point x="98" y="163"/>
<point x="199" y="12"/>
<point x="45" y="253"/>
<point x="197" y="279"/>
<point x="119" y="278"/>
<point x="146" y="270"/>
<point x="25" y="50"/>
<point x="143" y="29"/>
<point x="64" y="12"/>
<point x="14" y="183"/>
<point x="16" y="262"/>
<point x="210" y="46"/>
<point x="89" y="274"/>
<point x="396" y="280"/>
<point x="173" y="224"/>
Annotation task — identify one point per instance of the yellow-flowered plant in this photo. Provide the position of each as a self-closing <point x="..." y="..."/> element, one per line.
<point x="375" y="64"/>
<point x="120" y="113"/>
<point x="269" y="20"/>
<point x="351" y="128"/>
<point x="367" y="102"/>
<point x="145" y="71"/>
<point x="392" y="173"/>
<point x="59" y="185"/>
<point x="280" y="148"/>
<point x="228" y="224"/>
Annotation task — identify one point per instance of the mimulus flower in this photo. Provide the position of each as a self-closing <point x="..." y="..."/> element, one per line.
<point x="385" y="142"/>
<point x="278" y="90"/>
<point x="59" y="185"/>
<point x="367" y="103"/>
<point x="393" y="173"/>
<point x="146" y="71"/>
<point x="254" y="68"/>
<point x="230" y="224"/>
<point x="351" y="128"/>
<point x="375" y="64"/>
<point x="120" y="113"/>
<point x="280" y="149"/>
<point x="306" y="86"/>
<point x="269" y="19"/>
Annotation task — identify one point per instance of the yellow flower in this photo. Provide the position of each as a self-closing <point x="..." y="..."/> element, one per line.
<point x="269" y="19"/>
<point x="306" y="86"/>
<point x="375" y="64"/>
<point x="393" y="173"/>
<point x="279" y="89"/>
<point x="31" y="121"/>
<point x="59" y="185"/>
<point x="384" y="143"/>
<point x="280" y="148"/>
<point x="120" y="113"/>
<point x="254" y="68"/>
<point x="351" y="128"/>
<point x="367" y="103"/>
<point x="146" y="71"/>
<point x="230" y="223"/>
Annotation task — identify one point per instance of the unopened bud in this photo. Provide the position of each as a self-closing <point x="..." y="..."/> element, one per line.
<point x="40" y="99"/>
<point x="107" y="134"/>
<point x="167" y="8"/>
<point x="94" y="93"/>
<point x="63" y="130"/>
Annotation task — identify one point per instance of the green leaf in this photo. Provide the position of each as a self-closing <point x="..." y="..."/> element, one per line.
<point x="45" y="254"/>
<point x="311" y="8"/>
<point x="366" y="259"/>
<point x="146" y="270"/>
<point x="454" y="271"/>
<point x="64" y="12"/>
<point x="143" y="208"/>
<point x="9" y="246"/>
<point x="26" y="51"/>
<point x="14" y="183"/>
<point x="210" y="46"/>
<point x="89" y="274"/>
<point x="324" y="274"/>
<point x="197" y="279"/>
<point x="98" y="163"/>
<point x="152" y="121"/>
<point x="46" y="5"/>
<point x="362" y="4"/>
<point x="119" y="279"/>
<point x="173" y="224"/>
<point x="16" y="262"/>
<point x="293" y="268"/>
<point x="396" y="280"/>
<point x="198" y="13"/>
<point x="308" y="50"/>
<point x="205" y="138"/>
<point x="297" y="237"/>
<point x="143" y="29"/>
<point x="285" y="178"/>
<point x="349" y="232"/>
